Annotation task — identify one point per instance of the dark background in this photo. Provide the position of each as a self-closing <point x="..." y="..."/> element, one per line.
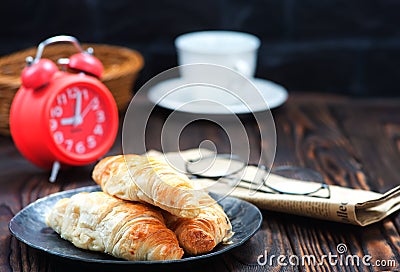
<point x="338" y="46"/>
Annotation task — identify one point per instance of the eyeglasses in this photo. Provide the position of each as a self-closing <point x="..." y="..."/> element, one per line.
<point x="289" y="180"/>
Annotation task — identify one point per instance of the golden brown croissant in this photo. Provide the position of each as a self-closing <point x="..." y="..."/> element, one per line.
<point x="146" y="179"/>
<point x="201" y="234"/>
<point x="99" y="222"/>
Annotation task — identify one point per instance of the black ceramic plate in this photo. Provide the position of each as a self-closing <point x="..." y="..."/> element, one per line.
<point x="29" y="227"/>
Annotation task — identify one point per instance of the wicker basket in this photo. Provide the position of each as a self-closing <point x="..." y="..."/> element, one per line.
<point x="121" y="67"/>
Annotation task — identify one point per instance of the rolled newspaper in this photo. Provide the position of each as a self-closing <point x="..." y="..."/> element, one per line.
<point x="334" y="203"/>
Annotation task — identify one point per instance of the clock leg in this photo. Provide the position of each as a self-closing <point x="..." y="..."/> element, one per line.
<point x="54" y="171"/>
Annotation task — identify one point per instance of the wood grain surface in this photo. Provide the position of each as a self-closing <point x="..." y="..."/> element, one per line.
<point x="350" y="142"/>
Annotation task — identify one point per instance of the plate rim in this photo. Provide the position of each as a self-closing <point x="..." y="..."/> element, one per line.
<point x="127" y="262"/>
<point x="283" y="91"/>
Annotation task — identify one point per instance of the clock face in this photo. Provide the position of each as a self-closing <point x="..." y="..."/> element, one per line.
<point x="79" y="120"/>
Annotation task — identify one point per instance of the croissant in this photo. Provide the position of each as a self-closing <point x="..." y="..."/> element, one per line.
<point x="146" y="179"/>
<point x="99" y="222"/>
<point x="201" y="234"/>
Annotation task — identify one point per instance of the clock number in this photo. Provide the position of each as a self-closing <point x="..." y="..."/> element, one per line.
<point x="58" y="137"/>
<point x="91" y="141"/>
<point x="95" y="103"/>
<point x="98" y="130"/>
<point x="100" y="116"/>
<point x="62" y="99"/>
<point x="72" y="92"/>
<point x="57" y="111"/>
<point x="69" y="143"/>
<point x="80" y="147"/>
<point x="85" y="94"/>
<point x="53" y="124"/>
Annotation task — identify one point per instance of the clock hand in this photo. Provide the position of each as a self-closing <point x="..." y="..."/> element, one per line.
<point x="78" y="108"/>
<point x="88" y="108"/>
<point x="67" y="121"/>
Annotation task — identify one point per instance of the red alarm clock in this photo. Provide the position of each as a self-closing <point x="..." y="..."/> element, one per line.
<point x="60" y="118"/>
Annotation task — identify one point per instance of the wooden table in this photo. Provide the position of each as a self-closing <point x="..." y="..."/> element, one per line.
<point x="351" y="142"/>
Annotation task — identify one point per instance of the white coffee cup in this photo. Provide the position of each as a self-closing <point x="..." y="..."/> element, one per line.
<point x="220" y="63"/>
<point x="234" y="50"/>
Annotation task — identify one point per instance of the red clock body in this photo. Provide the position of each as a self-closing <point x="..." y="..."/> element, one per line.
<point x="73" y="120"/>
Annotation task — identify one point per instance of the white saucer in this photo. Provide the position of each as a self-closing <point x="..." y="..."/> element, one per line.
<point x="163" y="94"/>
